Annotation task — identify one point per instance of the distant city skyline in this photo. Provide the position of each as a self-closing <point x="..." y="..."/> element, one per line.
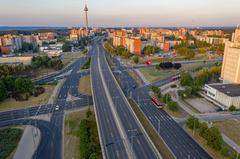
<point x="109" y="13"/>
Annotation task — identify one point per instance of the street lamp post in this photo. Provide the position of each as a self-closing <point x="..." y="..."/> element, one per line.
<point x="194" y="127"/>
<point x="159" y="124"/>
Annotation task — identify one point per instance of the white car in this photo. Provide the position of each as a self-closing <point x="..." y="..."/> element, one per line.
<point x="57" y="107"/>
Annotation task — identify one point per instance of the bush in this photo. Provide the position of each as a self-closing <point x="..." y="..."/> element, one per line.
<point x="172" y="106"/>
<point x="9" y="138"/>
<point x="232" y="108"/>
<point x="166" y="98"/>
<point x="193" y="123"/>
<point x="203" y="130"/>
<point x="87" y="64"/>
<point x="136" y="59"/>
<point x="89" y="147"/>
<point x="225" y="151"/>
<point x="214" y="138"/>
<point x="37" y="91"/>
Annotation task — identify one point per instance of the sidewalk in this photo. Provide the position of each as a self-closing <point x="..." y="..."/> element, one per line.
<point x="28" y="143"/>
<point x="146" y="82"/>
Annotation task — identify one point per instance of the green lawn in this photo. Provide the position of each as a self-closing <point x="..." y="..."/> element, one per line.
<point x="9" y="138"/>
<point x="71" y="134"/>
<point x="12" y="104"/>
<point x="152" y="74"/>
<point x="85" y="85"/>
<point x="230" y="128"/>
<point x="70" y="56"/>
<point x="74" y="132"/>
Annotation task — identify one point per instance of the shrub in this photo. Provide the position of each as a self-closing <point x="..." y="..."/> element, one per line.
<point x="225" y="151"/>
<point x="193" y="122"/>
<point x="232" y="108"/>
<point x="172" y="106"/>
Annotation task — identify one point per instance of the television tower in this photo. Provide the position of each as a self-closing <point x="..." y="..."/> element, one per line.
<point x="86" y="16"/>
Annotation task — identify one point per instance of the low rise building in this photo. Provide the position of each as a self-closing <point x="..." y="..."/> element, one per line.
<point x="25" y="60"/>
<point x="226" y="95"/>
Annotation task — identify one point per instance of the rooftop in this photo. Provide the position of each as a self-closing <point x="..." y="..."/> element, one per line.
<point x="232" y="90"/>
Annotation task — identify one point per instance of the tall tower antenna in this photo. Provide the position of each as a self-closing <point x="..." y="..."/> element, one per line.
<point x="86" y="16"/>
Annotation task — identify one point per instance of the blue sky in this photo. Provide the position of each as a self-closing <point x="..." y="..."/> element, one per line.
<point x="120" y="12"/>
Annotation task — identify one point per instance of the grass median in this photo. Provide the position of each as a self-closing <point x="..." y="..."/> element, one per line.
<point x="157" y="141"/>
<point x="81" y="135"/>
<point x="85" y="85"/>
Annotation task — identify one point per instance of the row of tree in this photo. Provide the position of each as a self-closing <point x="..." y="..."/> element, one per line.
<point x="89" y="147"/>
<point x="45" y="61"/>
<point x="118" y="51"/>
<point x="171" y="105"/>
<point x="15" y="87"/>
<point x="150" y="50"/>
<point x="212" y="136"/>
<point x="194" y="84"/>
<point x="188" y="53"/>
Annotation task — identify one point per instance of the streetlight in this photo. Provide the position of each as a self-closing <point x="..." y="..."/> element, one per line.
<point x="194" y="126"/>
<point x="159" y="124"/>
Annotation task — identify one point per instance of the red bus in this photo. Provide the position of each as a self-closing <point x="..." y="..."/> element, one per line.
<point x="156" y="102"/>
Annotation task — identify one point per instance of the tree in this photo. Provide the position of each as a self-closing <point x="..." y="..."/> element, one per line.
<point x="225" y="151"/>
<point x="214" y="138"/>
<point x="172" y="106"/>
<point x="156" y="91"/>
<point x="26" y="47"/>
<point x="148" y="50"/>
<point x="203" y="129"/>
<point x="193" y="123"/>
<point x="166" y="98"/>
<point x="184" y="51"/>
<point x="186" y="79"/>
<point x="232" y="108"/>
<point x="67" y="47"/>
<point x="22" y="85"/>
<point x="136" y="59"/>
<point x="3" y="91"/>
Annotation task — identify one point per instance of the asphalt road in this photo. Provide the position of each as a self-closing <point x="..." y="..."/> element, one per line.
<point x="121" y="133"/>
<point x="51" y="144"/>
<point x="179" y="142"/>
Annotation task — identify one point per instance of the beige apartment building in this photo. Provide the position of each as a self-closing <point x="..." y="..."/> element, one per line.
<point x="231" y="60"/>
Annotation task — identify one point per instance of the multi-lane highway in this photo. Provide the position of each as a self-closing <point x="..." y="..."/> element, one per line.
<point x="178" y="141"/>
<point x="121" y="133"/>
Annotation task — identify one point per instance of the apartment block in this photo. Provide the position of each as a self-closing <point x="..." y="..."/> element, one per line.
<point x="231" y="61"/>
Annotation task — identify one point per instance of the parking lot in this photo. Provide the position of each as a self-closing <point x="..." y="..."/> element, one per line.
<point x="202" y="105"/>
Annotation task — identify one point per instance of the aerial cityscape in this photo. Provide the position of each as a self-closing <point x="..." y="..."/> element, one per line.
<point x="119" y="79"/>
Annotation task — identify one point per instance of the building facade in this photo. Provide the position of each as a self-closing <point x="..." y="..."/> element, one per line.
<point x="226" y="95"/>
<point x="231" y="61"/>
